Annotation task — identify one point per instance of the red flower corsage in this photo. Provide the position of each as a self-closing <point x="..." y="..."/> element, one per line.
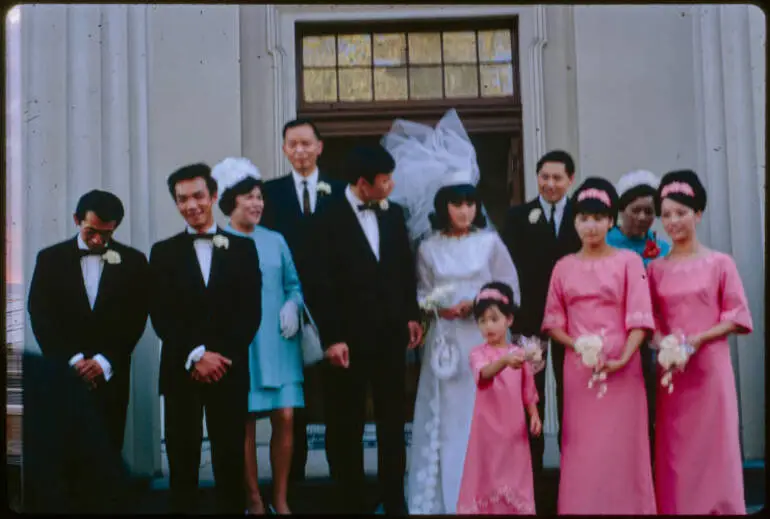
<point x="651" y="249"/>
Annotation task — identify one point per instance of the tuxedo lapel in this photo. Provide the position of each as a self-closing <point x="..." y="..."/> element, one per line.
<point x="78" y="283"/>
<point x="357" y="232"/>
<point x="290" y="195"/>
<point x="217" y="258"/>
<point x="192" y="269"/>
<point x="106" y="283"/>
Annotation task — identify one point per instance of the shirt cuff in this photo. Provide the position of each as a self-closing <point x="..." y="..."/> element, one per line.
<point x="194" y="356"/>
<point x="76" y="358"/>
<point x="105" y="364"/>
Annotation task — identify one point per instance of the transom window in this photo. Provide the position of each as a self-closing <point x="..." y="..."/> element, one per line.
<point x="386" y="63"/>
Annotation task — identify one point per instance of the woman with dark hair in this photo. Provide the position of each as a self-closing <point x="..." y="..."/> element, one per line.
<point x="697" y="292"/>
<point x="275" y="355"/>
<point x="599" y="297"/>
<point x="637" y="205"/>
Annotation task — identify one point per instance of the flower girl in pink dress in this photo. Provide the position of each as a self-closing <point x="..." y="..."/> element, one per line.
<point x="599" y="307"/>
<point x="697" y="292"/>
<point x="497" y="477"/>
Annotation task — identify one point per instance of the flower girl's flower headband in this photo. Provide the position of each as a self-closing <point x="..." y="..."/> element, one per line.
<point x="491" y="293"/>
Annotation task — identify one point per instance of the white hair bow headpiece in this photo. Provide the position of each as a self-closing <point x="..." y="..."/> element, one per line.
<point x="231" y="171"/>
<point x="636" y="178"/>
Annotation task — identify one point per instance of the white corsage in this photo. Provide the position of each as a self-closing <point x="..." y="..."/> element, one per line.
<point x="534" y="215"/>
<point x="590" y="347"/>
<point x="221" y="241"/>
<point x="384" y="205"/>
<point x="323" y="188"/>
<point x="112" y="257"/>
<point x="673" y="354"/>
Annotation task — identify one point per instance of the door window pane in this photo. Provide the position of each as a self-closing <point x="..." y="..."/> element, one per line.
<point x="320" y="85"/>
<point x="318" y="51"/>
<point x="425" y="83"/>
<point x="356" y="84"/>
<point x="461" y="81"/>
<point x="495" y="46"/>
<point x="460" y="47"/>
<point x="354" y="50"/>
<point x="496" y="80"/>
<point x="425" y="48"/>
<point x="390" y="84"/>
<point x="389" y="50"/>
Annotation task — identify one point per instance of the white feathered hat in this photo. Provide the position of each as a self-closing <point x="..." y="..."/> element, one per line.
<point x="231" y="171"/>
<point x="634" y="184"/>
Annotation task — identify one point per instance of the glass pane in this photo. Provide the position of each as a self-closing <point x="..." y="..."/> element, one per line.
<point x="354" y="49"/>
<point x="424" y="48"/>
<point x="496" y="80"/>
<point x="318" y="51"/>
<point x="390" y="84"/>
<point x="461" y="81"/>
<point x="495" y="46"/>
<point x="319" y="85"/>
<point x="356" y="84"/>
<point x="389" y="49"/>
<point x="425" y="83"/>
<point x="460" y="47"/>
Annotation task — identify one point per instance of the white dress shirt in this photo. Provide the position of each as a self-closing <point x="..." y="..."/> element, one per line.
<point x="92" y="267"/>
<point x="204" y="250"/>
<point x="558" y="214"/>
<point x="312" y="186"/>
<point x="368" y="221"/>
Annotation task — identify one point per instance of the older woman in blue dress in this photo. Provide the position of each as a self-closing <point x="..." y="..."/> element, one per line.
<point x="275" y="356"/>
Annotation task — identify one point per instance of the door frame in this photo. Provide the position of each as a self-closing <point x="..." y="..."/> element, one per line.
<point x="532" y="37"/>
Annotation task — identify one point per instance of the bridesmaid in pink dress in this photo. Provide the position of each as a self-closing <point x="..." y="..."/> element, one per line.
<point x="605" y="456"/>
<point x="698" y="292"/>
<point x="497" y="476"/>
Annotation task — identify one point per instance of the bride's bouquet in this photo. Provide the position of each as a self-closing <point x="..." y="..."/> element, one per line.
<point x="590" y="348"/>
<point x="534" y="350"/>
<point x="673" y="354"/>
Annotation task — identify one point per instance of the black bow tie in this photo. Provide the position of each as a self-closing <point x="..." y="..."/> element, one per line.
<point x="204" y="236"/>
<point x="370" y="206"/>
<point x="91" y="252"/>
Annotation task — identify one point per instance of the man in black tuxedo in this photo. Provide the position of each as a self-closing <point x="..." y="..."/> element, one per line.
<point x="88" y="306"/>
<point x="369" y="317"/>
<point x="538" y="233"/>
<point x="206" y="308"/>
<point x="291" y="202"/>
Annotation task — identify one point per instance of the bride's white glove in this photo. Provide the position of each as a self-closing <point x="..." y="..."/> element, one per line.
<point x="289" y="318"/>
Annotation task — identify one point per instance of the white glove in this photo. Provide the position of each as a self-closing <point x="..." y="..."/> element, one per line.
<point x="289" y="317"/>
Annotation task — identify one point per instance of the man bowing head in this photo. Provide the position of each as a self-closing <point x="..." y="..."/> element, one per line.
<point x="369" y="318"/>
<point x="206" y="308"/>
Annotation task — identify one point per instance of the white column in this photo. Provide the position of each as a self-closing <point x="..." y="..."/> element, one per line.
<point x="85" y="93"/>
<point x="730" y="165"/>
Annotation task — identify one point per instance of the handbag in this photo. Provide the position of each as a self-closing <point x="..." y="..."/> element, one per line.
<point x="312" y="352"/>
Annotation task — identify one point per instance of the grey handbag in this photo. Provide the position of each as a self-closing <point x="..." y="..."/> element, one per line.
<point x="312" y="352"/>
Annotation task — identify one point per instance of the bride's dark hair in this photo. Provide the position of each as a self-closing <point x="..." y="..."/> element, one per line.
<point x="455" y="195"/>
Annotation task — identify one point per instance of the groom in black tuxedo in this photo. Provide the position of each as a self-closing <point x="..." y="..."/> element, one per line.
<point x="88" y="307"/>
<point x="368" y="319"/>
<point x="206" y="308"/>
<point x="538" y="233"/>
<point x="291" y="202"/>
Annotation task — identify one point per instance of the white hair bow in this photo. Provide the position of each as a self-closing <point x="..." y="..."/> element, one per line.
<point x="231" y="171"/>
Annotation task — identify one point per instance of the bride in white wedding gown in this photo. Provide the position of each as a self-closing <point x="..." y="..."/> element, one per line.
<point x="436" y="170"/>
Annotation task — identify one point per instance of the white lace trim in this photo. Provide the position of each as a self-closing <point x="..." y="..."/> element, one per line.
<point x="426" y="500"/>
<point x="504" y="494"/>
<point x="639" y="318"/>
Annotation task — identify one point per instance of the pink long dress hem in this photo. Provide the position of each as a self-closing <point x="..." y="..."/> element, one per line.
<point x="698" y="467"/>
<point x="497" y="476"/>
<point x="605" y="455"/>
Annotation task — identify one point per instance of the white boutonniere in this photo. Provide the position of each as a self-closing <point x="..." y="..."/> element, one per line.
<point x="534" y="215"/>
<point x="220" y="241"/>
<point x="384" y="205"/>
<point x="112" y="257"/>
<point x="324" y="188"/>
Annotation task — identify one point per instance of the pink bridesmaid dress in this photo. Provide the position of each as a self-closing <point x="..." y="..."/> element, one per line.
<point x="605" y="455"/>
<point x="698" y="467"/>
<point x="497" y="476"/>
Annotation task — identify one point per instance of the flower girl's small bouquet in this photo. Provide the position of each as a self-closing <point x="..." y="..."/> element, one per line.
<point x="673" y="354"/>
<point x="590" y="348"/>
<point x="534" y="350"/>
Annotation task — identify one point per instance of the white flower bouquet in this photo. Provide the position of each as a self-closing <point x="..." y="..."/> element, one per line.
<point x="534" y="352"/>
<point x="590" y="347"/>
<point x="437" y="299"/>
<point x="673" y="354"/>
